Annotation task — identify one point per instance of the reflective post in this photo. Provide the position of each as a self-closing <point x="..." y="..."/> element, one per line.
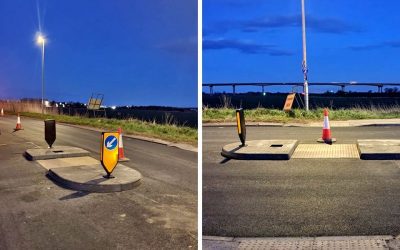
<point x="241" y="126"/>
<point x="109" y="152"/>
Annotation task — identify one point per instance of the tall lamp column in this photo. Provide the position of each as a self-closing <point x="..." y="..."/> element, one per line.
<point x="41" y="41"/>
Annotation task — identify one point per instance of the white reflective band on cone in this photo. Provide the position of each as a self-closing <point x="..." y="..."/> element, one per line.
<point x="121" y="145"/>
<point x="326" y="122"/>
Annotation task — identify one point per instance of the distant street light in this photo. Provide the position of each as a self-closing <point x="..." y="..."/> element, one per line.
<point x="41" y="40"/>
<point x="305" y="68"/>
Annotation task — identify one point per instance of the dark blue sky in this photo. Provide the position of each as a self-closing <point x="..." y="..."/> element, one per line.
<point x="260" y="41"/>
<point x="134" y="52"/>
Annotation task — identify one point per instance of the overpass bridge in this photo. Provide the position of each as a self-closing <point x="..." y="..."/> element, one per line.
<point x="342" y="85"/>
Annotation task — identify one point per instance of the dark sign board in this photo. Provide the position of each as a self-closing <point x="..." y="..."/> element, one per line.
<point x="289" y="102"/>
<point x="50" y="131"/>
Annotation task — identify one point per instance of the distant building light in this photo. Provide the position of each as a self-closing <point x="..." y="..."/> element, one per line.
<point x="113" y="107"/>
<point x="46" y="103"/>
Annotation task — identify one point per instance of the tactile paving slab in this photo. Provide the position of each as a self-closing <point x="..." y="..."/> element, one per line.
<point x="326" y="151"/>
<point x="320" y="243"/>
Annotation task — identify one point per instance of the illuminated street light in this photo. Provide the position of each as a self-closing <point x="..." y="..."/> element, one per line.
<point x="41" y="40"/>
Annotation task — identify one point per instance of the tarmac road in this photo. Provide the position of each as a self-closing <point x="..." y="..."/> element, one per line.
<point x="299" y="197"/>
<point x="35" y="213"/>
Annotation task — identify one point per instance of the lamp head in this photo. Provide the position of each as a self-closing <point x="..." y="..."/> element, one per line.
<point x="40" y="39"/>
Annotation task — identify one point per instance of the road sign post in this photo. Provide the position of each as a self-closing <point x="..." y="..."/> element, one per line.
<point x="241" y="125"/>
<point x="109" y="152"/>
<point x="50" y="131"/>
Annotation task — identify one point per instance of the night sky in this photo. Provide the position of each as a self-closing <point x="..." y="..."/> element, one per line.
<point x="133" y="52"/>
<point x="261" y="41"/>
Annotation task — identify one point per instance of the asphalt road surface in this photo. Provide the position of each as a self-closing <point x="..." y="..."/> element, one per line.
<point x="35" y="213"/>
<point x="299" y="197"/>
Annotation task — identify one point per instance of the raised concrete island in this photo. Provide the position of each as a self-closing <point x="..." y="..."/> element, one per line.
<point x="260" y="150"/>
<point x="35" y="154"/>
<point x="379" y="149"/>
<point x="90" y="178"/>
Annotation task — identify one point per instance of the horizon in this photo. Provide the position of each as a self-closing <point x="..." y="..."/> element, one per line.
<point x="28" y="99"/>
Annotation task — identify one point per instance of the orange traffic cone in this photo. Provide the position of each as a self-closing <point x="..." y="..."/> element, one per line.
<point x="121" y="155"/>
<point x="326" y="130"/>
<point x="18" y="127"/>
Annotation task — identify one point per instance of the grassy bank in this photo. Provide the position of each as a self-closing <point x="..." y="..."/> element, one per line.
<point x="298" y="115"/>
<point x="168" y="132"/>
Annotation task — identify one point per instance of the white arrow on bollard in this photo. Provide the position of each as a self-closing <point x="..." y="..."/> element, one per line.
<point x="109" y="144"/>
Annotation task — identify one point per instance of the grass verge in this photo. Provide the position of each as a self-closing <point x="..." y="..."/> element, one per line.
<point x="299" y="115"/>
<point x="168" y="132"/>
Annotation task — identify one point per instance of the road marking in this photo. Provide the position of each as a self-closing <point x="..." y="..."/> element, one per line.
<point x="19" y="144"/>
<point x="147" y="198"/>
<point x="33" y="144"/>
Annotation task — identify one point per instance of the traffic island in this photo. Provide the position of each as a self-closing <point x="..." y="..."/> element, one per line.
<point x="379" y="149"/>
<point x="54" y="153"/>
<point x="260" y="150"/>
<point x="90" y="178"/>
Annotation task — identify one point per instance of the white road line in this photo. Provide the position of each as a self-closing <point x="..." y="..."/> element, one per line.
<point x="33" y="144"/>
<point x="147" y="198"/>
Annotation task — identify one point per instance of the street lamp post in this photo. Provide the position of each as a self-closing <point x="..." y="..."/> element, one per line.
<point x="41" y="41"/>
<point x="304" y="64"/>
